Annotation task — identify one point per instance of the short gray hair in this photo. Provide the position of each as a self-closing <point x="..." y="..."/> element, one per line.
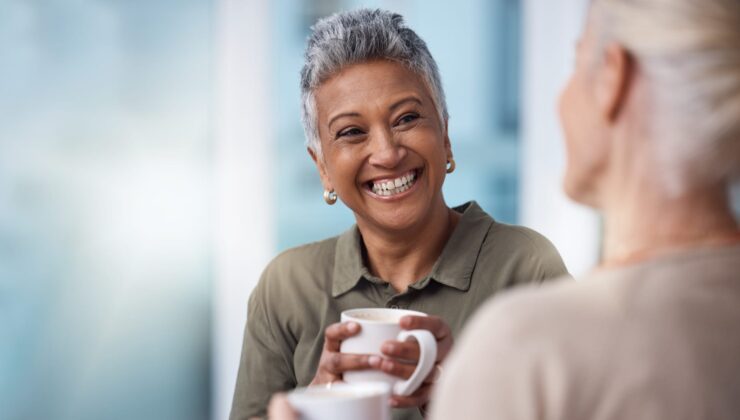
<point x="358" y="36"/>
<point x="690" y="50"/>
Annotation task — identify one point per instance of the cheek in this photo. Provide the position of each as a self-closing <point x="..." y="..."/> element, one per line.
<point x="341" y="168"/>
<point x="574" y="121"/>
<point x="430" y="145"/>
<point x="567" y="112"/>
<point x="569" y="123"/>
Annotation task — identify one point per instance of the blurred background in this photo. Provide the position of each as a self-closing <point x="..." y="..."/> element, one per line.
<point x="152" y="162"/>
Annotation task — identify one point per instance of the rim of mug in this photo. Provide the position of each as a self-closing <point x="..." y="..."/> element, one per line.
<point x="349" y="314"/>
<point x="340" y="391"/>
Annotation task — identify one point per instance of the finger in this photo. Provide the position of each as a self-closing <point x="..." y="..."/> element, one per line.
<point x="434" y="324"/>
<point x="396" y="368"/>
<point x="337" y="363"/>
<point x="404" y="350"/>
<point x="417" y="399"/>
<point x="280" y="409"/>
<point x="437" y="326"/>
<point x="334" y="334"/>
<point x="433" y="375"/>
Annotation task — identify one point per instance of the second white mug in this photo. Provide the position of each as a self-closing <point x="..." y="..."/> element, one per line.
<point x="362" y="401"/>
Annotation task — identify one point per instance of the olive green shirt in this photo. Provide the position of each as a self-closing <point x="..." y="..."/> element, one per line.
<point x="305" y="289"/>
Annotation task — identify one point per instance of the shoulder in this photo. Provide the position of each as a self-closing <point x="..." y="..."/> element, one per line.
<point x="554" y="318"/>
<point x="531" y="348"/>
<point x="563" y="324"/>
<point x="521" y="239"/>
<point x="513" y="311"/>
<point x="508" y="350"/>
<point x="529" y="254"/>
<point x="505" y="238"/>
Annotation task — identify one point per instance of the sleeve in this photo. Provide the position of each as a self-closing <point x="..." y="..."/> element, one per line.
<point x="266" y="362"/>
<point x="492" y="374"/>
<point x="550" y="265"/>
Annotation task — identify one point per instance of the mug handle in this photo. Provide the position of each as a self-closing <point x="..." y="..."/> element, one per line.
<point x="427" y="358"/>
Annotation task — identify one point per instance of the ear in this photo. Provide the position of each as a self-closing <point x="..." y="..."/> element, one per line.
<point x="321" y="166"/>
<point x="614" y="79"/>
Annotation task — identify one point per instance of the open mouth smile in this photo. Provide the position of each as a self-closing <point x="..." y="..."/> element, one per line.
<point x="394" y="186"/>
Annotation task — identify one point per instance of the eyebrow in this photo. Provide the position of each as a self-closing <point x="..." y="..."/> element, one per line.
<point x="393" y="107"/>
<point x="403" y="101"/>
<point x="342" y="115"/>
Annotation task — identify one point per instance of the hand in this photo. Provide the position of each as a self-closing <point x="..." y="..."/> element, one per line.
<point x="280" y="409"/>
<point x="403" y="357"/>
<point x="333" y="363"/>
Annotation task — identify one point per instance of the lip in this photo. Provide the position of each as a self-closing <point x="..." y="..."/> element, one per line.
<point x="399" y="196"/>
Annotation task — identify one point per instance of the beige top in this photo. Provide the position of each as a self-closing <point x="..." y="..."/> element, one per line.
<point x="305" y="289"/>
<point x="657" y="340"/>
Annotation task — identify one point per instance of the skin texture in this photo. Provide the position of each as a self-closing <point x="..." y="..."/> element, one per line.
<point x="612" y="165"/>
<point x="377" y="121"/>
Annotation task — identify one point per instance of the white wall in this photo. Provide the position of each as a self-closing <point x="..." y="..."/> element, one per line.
<point x="550" y="32"/>
<point x="243" y="215"/>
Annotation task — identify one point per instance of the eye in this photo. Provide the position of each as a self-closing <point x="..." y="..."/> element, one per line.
<point x="350" y="132"/>
<point x="407" y="118"/>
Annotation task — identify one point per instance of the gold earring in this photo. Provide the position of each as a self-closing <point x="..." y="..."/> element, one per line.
<point x="330" y="197"/>
<point x="451" y="167"/>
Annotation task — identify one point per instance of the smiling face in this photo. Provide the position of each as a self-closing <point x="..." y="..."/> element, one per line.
<point x="384" y="148"/>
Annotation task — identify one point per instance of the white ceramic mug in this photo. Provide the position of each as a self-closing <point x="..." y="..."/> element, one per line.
<point x="362" y="401"/>
<point x="380" y="325"/>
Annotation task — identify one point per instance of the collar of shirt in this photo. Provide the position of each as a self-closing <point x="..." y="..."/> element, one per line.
<point x="453" y="268"/>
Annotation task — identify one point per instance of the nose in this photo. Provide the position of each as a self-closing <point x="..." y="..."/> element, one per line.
<point x="387" y="152"/>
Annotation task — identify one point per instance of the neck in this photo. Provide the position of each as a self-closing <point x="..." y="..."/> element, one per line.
<point x="403" y="257"/>
<point x="645" y="224"/>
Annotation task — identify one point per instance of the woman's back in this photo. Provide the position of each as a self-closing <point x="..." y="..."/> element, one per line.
<point x="657" y="340"/>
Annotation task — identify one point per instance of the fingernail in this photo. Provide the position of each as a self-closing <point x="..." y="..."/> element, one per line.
<point x="353" y="327"/>
<point x="387" y="366"/>
<point x="387" y="348"/>
<point x="394" y="403"/>
<point x="374" y="361"/>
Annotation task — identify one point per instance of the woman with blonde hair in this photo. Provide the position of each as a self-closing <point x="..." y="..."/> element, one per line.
<point x="652" y="125"/>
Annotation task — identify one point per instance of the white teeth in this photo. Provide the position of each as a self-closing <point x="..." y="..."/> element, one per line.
<point x="395" y="186"/>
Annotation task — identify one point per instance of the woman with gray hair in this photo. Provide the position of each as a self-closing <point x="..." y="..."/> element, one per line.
<point x="652" y="126"/>
<point x="376" y="122"/>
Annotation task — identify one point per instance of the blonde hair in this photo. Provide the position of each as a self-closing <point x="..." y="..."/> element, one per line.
<point x="690" y="52"/>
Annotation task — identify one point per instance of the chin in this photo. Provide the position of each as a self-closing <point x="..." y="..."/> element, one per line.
<point x="579" y="191"/>
<point x="398" y="220"/>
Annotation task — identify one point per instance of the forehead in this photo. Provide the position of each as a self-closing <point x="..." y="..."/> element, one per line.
<point x="373" y="83"/>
